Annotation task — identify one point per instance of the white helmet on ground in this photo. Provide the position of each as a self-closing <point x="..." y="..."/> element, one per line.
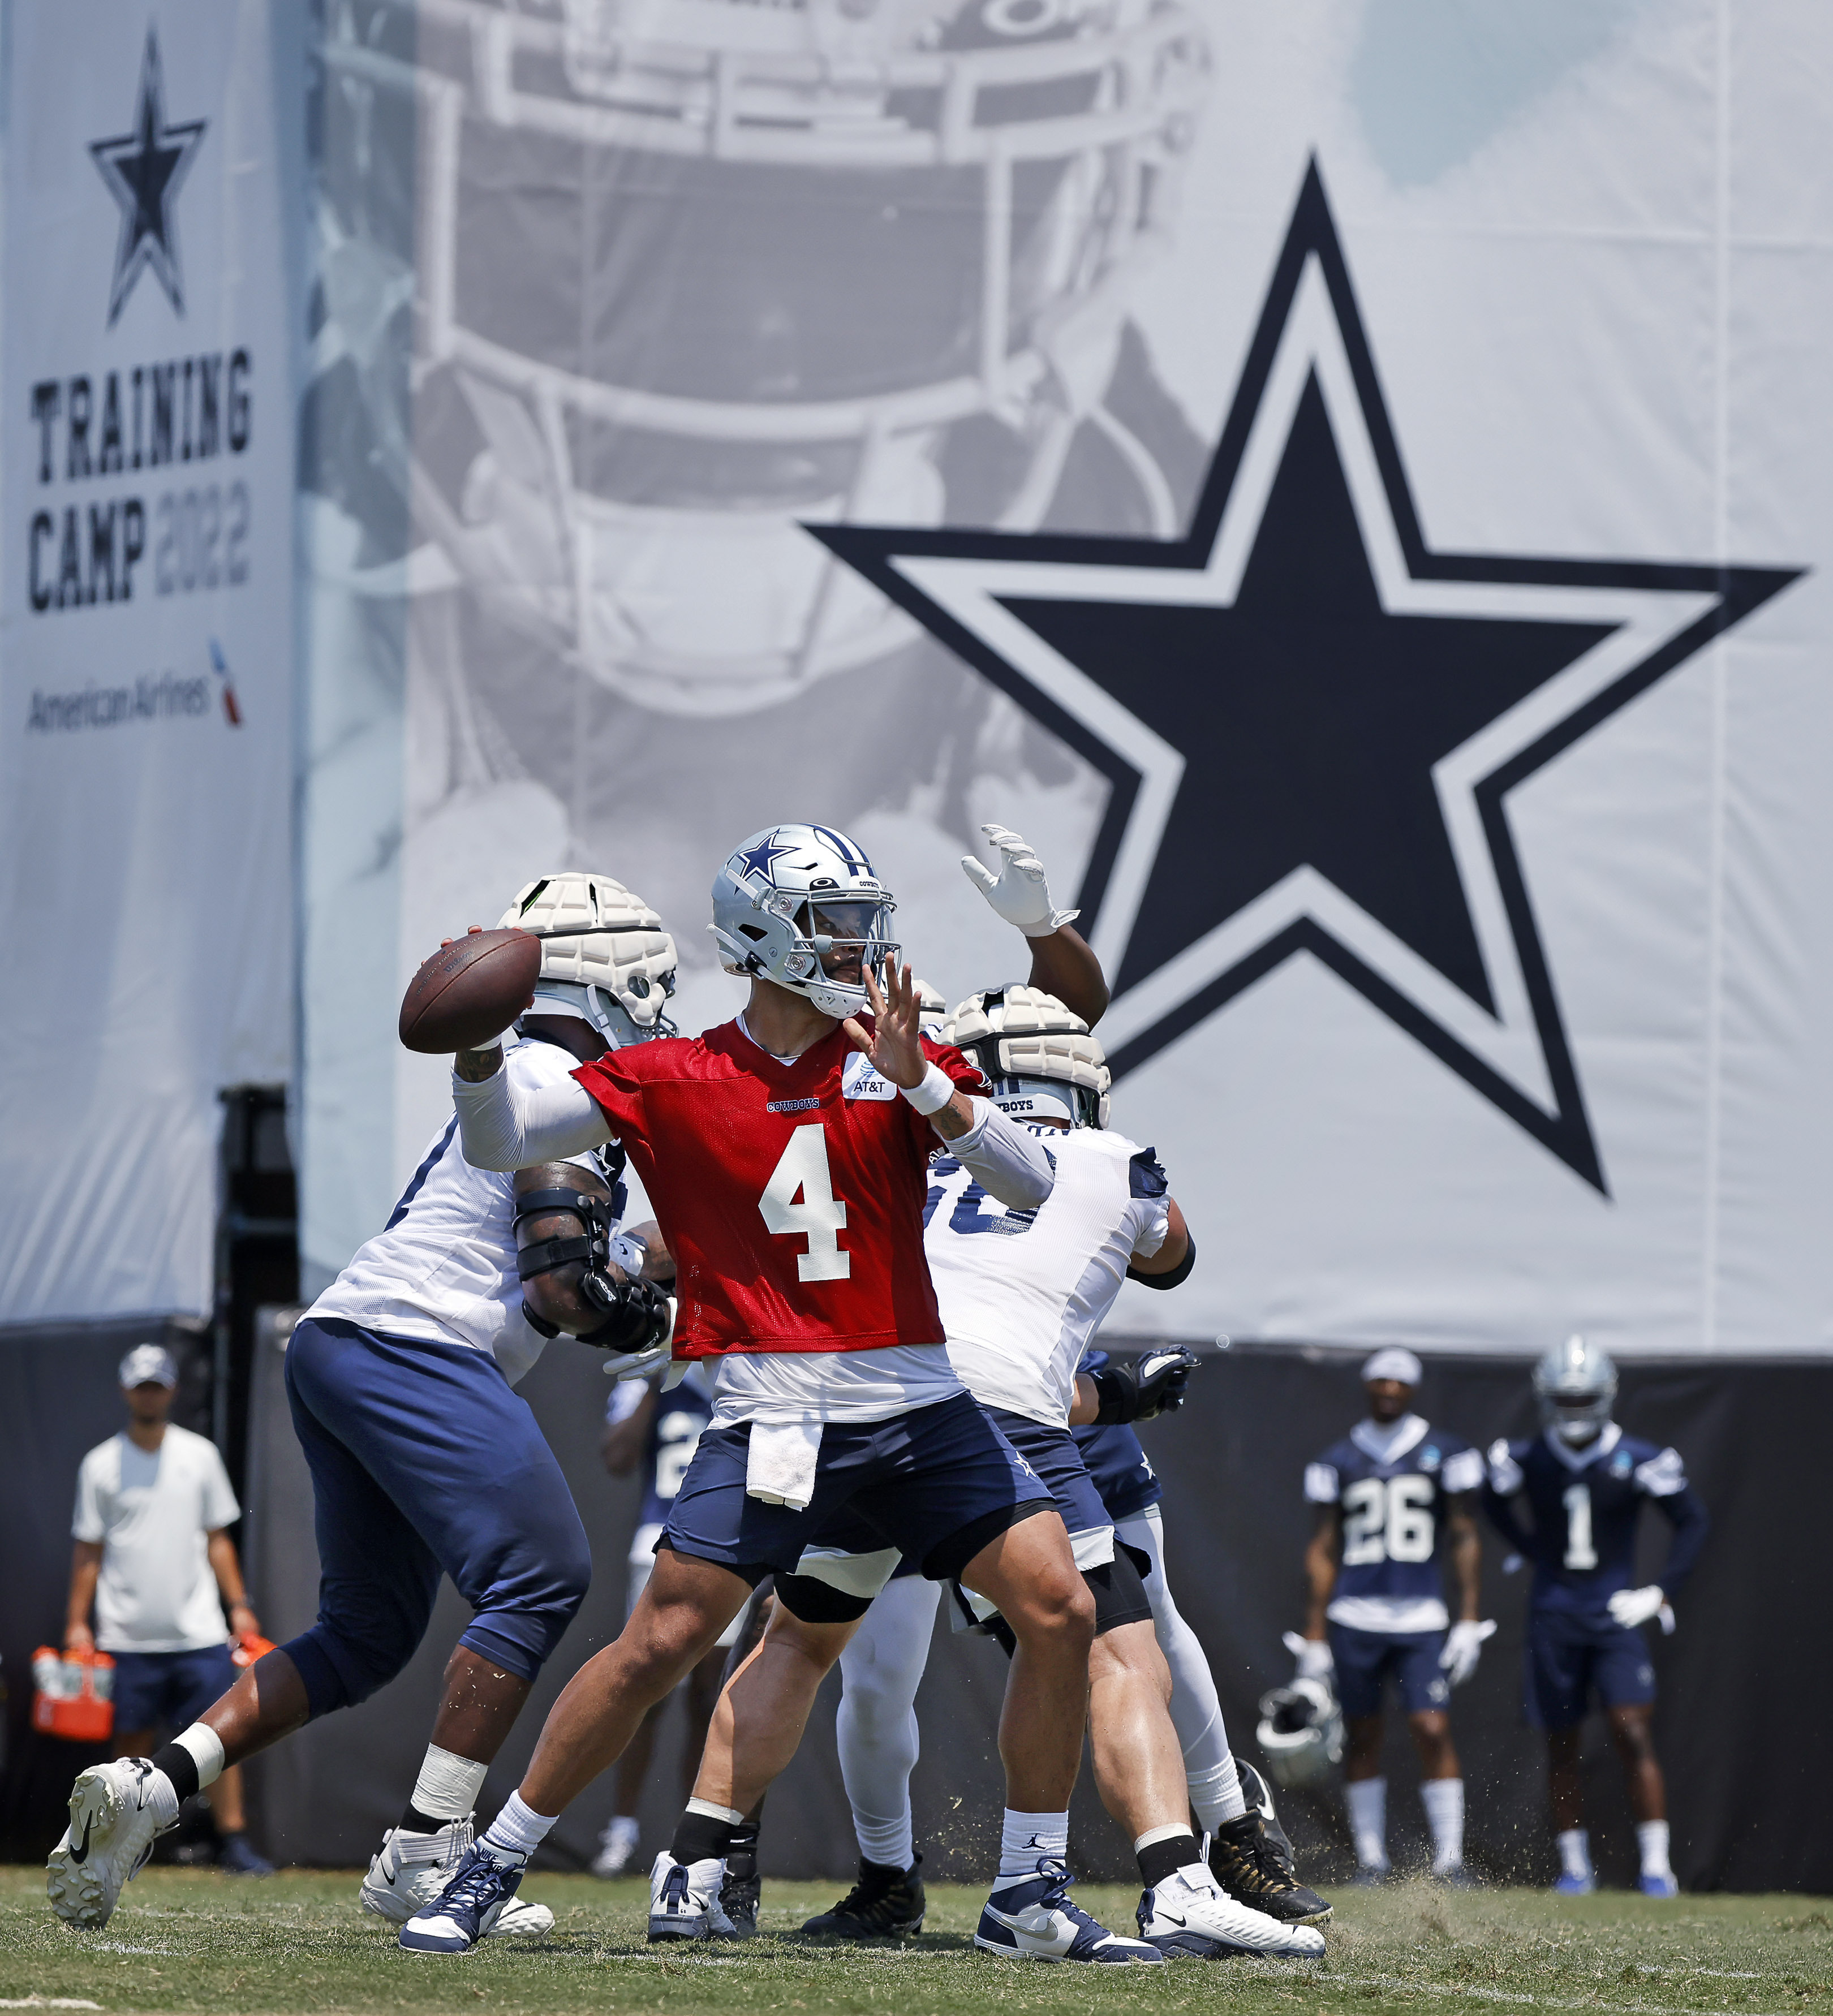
<point x="605" y="957"/>
<point x="1042" y="1062"/>
<point x="1301" y="1732"/>
<point x="790" y="897"/>
<point x="1576" y="1385"/>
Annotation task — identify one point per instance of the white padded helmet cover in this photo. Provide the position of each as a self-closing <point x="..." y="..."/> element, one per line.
<point x="609" y="938"/>
<point x="1036" y="1037"/>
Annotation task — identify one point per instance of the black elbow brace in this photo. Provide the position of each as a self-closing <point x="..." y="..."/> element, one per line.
<point x="636" y="1310"/>
<point x="1172" y="1276"/>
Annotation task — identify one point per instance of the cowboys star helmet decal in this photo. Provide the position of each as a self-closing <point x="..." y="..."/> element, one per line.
<point x="1326" y="714"/>
<point x="758" y="859"/>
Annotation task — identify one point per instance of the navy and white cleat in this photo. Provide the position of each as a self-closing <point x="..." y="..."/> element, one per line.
<point x="411" y="1871"/>
<point x="684" y="1900"/>
<point x="1189" y="1913"/>
<point x="1661" y="1885"/>
<point x="465" y="1911"/>
<point x="114" y="1819"/>
<point x="1031" y="1918"/>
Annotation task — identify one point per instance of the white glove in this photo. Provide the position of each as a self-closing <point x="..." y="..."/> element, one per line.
<point x="1316" y="1660"/>
<point x="1019" y="892"/>
<point x="1631" y="1606"/>
<point x="1464" y="1647"/>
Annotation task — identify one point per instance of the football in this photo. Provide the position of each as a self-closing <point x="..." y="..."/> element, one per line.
<point x="469" y="991"/>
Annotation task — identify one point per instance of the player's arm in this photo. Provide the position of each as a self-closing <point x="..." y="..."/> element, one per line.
<point x="85" y="1569"/>
<point x="658" y="1262"/>
<point x="1171" y="1261"/>
<point x="226" y="1568"/>
<point x="622" y="1444"/>
<point x="577" y="1279"/>
<point x="1321" y="1556"/>
<point x="1008" y="1161"/>
<point x="1119" y="1394"/>
<point x="1062" y="962"/>
<point x="1503" y="1498"/>
<point x="1686" y="1510"/>
<point x="504" y="1125"/>
<point x="1463" y="1546"/>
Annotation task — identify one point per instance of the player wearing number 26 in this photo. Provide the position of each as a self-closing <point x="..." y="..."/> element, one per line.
<point x="1571" y="1500"/>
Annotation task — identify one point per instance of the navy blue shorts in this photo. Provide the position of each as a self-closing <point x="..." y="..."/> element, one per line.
<point x="1052" y="1453"/>
<point x="924" y="1484"/>
<point x="1566" y="1657"/>
<point x="1365" y="1658"/>
<point x="168" y="1689"/>
<point x="423" y="1458"/>
<point x="1127" y="1482"/>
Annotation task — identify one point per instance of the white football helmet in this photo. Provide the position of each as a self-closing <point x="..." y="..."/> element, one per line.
<point x="655" y="371"/>
<point x="791" y="898"/>
<point x="1576" y="1386"/>
<point x="605" y="957"/>
<point x="1042" y="1062"/>
<point x="1301" y="1732"/>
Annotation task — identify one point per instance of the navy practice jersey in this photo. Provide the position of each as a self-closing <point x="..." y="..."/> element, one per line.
<point x="1126" y="1482"/>
<point x="1391" y="1485"/>
<point x="1581" y="1507"/>
<point x="674" y="1430"/>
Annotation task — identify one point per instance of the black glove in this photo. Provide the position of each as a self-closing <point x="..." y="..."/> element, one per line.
<point x="1151" y="1386"/>
<point x="636" y="1314"/>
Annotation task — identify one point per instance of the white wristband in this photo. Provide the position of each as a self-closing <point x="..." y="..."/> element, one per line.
<point x="932" y="1091"/>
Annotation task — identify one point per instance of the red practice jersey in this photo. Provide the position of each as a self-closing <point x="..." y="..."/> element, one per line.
<point x="791" y="1195"/>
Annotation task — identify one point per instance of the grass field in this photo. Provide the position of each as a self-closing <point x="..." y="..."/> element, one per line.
<point x="191" y="1940"/>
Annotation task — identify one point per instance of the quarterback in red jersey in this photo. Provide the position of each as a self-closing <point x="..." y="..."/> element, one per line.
<point x="785" y="1155"/>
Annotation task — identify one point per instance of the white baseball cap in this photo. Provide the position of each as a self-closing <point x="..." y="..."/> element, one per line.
<point x="1394" y="1362"/>
<point x="149" y="1365"/>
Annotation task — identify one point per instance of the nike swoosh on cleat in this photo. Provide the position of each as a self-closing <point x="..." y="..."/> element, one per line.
<point x="79" y="1849"/>
<point x="1172" y="1920"/>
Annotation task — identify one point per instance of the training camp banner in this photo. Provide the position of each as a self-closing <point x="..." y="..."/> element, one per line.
<point x="146" y="636"/>
<point x="1347" y="482"/>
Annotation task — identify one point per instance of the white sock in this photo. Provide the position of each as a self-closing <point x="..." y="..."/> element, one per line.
<point x="1368" y="1820"/>
<point x="1216" y="1796"/>
<point x="517" y="1830"/>
<point x="1443" y="1800"/>
<point x="448" y="1784"/>
<point x="1025" y="1838"/>
<point x="206" y="1748"/>
<point x="1651" y="1837"/>
<point x="1574" y="1851"/>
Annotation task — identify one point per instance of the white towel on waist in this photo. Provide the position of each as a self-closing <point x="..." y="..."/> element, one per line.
<point x="781" y="1468"/>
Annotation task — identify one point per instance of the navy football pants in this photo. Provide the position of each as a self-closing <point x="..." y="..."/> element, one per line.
<point x="423" y="1459"/>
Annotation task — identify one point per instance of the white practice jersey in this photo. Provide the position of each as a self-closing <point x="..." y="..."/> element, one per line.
<point x="444" y="1267"/>
<point x="1022" y="1292"/>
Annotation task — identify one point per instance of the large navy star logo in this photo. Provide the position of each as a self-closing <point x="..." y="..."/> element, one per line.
<point x="144" y="171"/>
<point x="758" y="859"/>
<point x="1310" y="722"/>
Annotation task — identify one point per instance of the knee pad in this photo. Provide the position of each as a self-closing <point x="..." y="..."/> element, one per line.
<point x="1119" y="1591"/>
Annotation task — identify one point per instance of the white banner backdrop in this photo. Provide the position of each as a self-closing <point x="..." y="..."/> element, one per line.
<point x="146" y="652"/>
<point x="1347" y="481"/>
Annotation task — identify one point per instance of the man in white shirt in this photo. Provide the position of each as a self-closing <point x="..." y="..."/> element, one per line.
<point x="152" y="1557"/>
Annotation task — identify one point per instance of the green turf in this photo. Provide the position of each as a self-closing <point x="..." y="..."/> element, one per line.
<point x="193" y="1940"/>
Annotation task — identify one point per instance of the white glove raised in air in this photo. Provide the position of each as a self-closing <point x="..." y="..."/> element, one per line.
<point x="1464" y="1647"/>
<point x="1316" y="1660"/>
<point x="1019" y="891"/>
<point x="1631" y="1606"/>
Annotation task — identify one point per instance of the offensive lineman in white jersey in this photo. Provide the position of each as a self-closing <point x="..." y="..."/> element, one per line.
<point x="423" y="1458"/>
<point x="1021" y="1292"/>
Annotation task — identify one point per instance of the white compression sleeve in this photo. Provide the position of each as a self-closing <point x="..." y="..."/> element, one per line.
<point x="1196" y="1708"/>
<point x="880" y="1670"/>
<point x="503" y="1126"/>
<point x="1008" y="1161"/>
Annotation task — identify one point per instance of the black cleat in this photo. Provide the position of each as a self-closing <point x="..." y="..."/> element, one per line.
<point x="885" y="1903"/>
<point x="742" y="1888"/>
<point x="1247" y="1865"/>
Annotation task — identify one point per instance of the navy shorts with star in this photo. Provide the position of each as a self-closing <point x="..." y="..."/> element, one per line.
<point x="1366" y="1660"/>
<point x="1568" y="1657"/>
<point x="925" y="1484"/>
<point x="1052" y="1453"/>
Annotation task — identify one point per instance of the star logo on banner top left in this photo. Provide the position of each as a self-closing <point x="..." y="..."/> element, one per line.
<point x="1310" y="720"/>
<point x="144" y="171"/>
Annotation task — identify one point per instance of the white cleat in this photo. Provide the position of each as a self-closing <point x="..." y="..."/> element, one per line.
<point x="113" y="1823"/>
<point x="1032" y="1917"/>
<point x="412" y="1868"/>
<point x="1189" y="1913"/>
<point x="616" y="1846"/>
<point x="684" y="1900"/>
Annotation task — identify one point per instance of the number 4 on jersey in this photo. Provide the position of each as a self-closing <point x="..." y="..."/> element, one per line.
<point x="799" y="1199"/>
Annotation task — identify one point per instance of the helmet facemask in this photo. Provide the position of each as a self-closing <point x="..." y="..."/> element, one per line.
<point x="1576" y="1386"/>
<point x="815" y="927"/>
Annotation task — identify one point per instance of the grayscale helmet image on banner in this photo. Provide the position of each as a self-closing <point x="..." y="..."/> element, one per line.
<point x="1356" y="507"/>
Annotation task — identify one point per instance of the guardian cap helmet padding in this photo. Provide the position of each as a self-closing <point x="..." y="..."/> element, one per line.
<point x="1042" y="1060"/>
<point x="605" y="956"/>
<point x="789" y="899"/>
<point x="1576" y="1385"/>
<point x="1301" y="1732"/>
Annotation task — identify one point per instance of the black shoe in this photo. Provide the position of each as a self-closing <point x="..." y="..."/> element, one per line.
<point x="885" y="1903"/>
<point x="1245" y="1863"/>
<point x="1259" y="1793"/>
<point x="742" y="1887"/>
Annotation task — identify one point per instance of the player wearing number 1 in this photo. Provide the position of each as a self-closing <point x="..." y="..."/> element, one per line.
<point x="1571" y="1500"/>
<point x="1391" y="1497"/>
<point x="785" y="1154"/>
